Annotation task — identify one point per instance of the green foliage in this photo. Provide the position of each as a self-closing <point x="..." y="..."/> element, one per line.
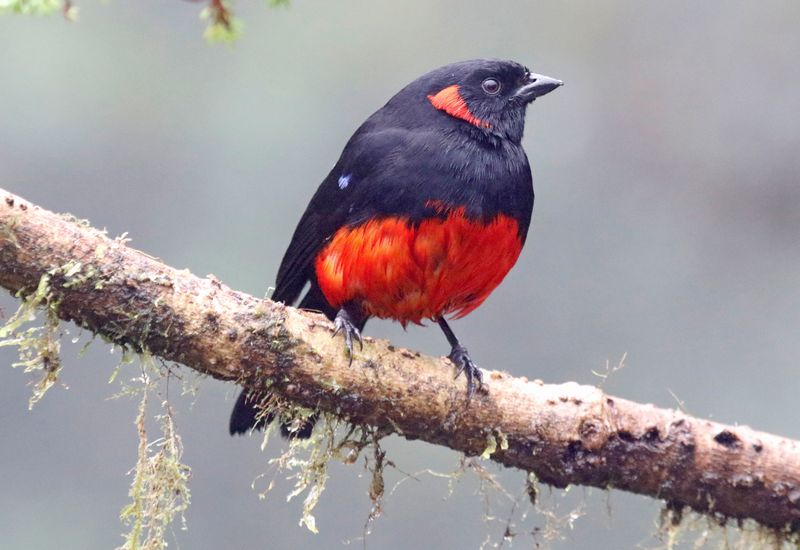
<point x="222" y="25"/>
<point x="31" y="7"/>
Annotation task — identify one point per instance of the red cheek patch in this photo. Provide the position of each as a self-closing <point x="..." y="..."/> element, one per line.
<point x="450" y="101"/>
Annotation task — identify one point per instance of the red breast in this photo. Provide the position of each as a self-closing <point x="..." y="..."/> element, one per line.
<point x="412" y="272"/>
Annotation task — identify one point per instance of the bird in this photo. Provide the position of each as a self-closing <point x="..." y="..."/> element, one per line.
<point x="423" y="215"/>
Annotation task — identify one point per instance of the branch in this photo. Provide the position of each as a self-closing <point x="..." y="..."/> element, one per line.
<point x="565" y="434"/>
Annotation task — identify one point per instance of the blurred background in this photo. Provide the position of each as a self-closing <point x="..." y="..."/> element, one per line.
<point x="667" y="227"/>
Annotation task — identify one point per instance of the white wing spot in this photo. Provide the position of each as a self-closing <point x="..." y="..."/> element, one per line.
<point x="344" y="181"/>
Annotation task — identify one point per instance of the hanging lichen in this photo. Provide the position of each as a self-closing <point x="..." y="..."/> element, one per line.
<point x="39" y="345"/>
<point x="159" y="491"/>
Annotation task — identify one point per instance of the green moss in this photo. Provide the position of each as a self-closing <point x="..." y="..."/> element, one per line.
<point x="38" y="346"/>
<point x="35" y="329"/>
<point x="7" y="230"/>
<point x="261" y="310"/>
<point x="491" y="447"/>
<point x="494" y="440"/>
<point x="80" y="276"/>
<point x="307" y="461"/>
<point x="71" y="218"/>
<point x="159" y="491"/>
<point x="156" y="278"/>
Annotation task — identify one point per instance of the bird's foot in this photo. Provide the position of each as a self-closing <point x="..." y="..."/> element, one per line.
<point x="461" y="359"/>
<point x="344" y="323"/>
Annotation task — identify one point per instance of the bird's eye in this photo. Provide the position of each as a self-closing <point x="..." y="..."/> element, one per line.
<point x="491" y="86"/>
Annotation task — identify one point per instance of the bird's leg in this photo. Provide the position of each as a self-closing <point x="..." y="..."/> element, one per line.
<point x="347" y="322"/>
<point x="461" y="359"/>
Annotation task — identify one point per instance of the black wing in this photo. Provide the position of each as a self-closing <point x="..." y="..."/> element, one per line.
<point x="331" y="208"/>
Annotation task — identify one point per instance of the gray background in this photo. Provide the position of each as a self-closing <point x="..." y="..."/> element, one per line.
<point x="667" y="226"/>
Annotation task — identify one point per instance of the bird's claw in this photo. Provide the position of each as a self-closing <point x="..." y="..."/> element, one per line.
<point x="345" y="325"/>
<point x="461" y="359"/>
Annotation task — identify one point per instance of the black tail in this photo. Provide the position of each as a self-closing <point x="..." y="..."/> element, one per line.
<point x="244" y="417"/>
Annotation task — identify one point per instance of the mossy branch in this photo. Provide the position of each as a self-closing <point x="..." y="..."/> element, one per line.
<point x="564" y="434"/>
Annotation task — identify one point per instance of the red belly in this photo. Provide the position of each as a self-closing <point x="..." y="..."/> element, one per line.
<point x="397" y="271"/>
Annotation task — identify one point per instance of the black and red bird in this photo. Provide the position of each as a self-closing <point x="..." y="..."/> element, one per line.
<point x="424" y="213"/>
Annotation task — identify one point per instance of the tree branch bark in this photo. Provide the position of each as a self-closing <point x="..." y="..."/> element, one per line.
<point x="565" y="434"/>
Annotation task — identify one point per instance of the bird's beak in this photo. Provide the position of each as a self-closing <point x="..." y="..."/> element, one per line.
<point x="537" y="86"/>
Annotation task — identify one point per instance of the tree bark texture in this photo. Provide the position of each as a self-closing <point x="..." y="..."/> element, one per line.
<point x="565" y="433"/>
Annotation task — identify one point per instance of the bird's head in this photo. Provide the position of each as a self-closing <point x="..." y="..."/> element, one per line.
<point x="488" y="94"/>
